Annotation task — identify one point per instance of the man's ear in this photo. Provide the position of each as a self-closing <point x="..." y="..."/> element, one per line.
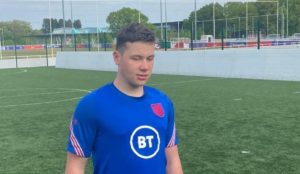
<point x="116" y="56"/>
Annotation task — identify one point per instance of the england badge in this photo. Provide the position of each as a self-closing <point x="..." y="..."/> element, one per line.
<point x="158" y="109"/>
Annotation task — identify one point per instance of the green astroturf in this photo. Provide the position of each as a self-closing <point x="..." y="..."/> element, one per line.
<point x="224" y="125"/>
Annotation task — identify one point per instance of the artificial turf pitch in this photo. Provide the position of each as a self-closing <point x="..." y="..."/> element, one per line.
<point x="224" y="125"/>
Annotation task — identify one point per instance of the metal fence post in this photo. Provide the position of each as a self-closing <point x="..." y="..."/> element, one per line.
<point x="104" y="41"/>
<point x="46" y="47"/>
<point x="16" y="55"/>
<point x="165" y="38"/>
<point x="61" y="43"/>
<point x="89" y="41"/>
<point x="258" y="34"/>
<point x="192" y="35"/>
<point x="75" y="43"/>
<point x="222" y="36"/>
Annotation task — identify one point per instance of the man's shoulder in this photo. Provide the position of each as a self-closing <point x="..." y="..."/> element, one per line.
<point x="154" y="92"/>
<point x="95" y="94"/>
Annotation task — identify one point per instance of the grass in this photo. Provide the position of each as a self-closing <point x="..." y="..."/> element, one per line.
<point x="225" y="126"/>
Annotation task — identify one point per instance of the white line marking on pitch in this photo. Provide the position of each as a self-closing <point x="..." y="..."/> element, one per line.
<point x="238" y="99"/>
<point x="24" y="71"/>
<point x="19" y="89"/>
<point x="47" y="102"/>
<point x="46" y="93"/>
<point x="245" y="151"/>
<point x="18" y="72"/>
<point x="297" y="92"/>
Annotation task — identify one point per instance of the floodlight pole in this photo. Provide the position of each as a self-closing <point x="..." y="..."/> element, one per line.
<point x="161" y="23"/>
<point x="71" y="4"/>
<point x="195" y="8"/>
<point x="64" y="23"/>
<point x="246" y="34"/>
<point x="139" y="11"/>
<point x="267" y="25"/>
<point x="287" y="18"/>
<point x="214" y="22"/>
<point x="277" y="20"/>
<point x="203" y="28"/>
<point x="165" y="25"/>
<point x="2" y="37"/>
<point x="72" y="21"/>
<point x="1" y="42"/>
<point x="166" y="14"/>
<point x="282" y="22"/>
<point x="252" y="25"/>
<point x="50" y="23"/>
<point x="98" y="38"/>
<point x="225" y="13"/>
<point x="1" y="47"/>
<point x="239" y="27"/>
<point x="178" y="31"/>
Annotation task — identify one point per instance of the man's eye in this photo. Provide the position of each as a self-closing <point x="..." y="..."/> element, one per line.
<point x="150" y="58"/>
<point x="135" y="58"/>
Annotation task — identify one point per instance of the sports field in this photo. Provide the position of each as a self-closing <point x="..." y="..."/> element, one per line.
<point x="225" y="126"/>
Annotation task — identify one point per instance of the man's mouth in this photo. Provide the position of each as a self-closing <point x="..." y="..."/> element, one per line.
<point x="142" y="76"/>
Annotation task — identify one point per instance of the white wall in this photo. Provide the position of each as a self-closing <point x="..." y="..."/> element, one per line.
<point x="28" y="62"/>
<point x="276" y="64"/>
<point x="86" y="60"/>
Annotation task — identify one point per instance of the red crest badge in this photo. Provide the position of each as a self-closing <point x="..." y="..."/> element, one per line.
<point x="158" y="109"/>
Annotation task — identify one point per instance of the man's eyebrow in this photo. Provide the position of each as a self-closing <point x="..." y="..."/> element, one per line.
<point x="136" y="55"/>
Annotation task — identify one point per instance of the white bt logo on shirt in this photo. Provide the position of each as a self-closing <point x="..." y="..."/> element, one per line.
<point x="145" y="142"/>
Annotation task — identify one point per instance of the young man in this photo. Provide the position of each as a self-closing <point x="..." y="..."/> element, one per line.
<point x="126" y="127"/>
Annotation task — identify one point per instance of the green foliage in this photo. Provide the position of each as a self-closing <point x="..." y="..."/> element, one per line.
<point x="294" y="16"/>
<point x="205" y="19"/>
<point x="58" y="24"/>
<point x="125" y="16"/>
<point x="235" y="12"/>
<point x="14" y="31"/>
<point x="77" y="24"/>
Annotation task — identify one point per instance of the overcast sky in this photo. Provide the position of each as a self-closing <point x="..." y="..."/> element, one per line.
<point x="93" y="13"/>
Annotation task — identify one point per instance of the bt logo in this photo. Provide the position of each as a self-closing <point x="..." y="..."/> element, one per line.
<point x="145" y="142"/>
<point x="142" y="143"/>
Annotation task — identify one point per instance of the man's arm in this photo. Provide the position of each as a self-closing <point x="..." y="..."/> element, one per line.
<point x="173" y="161"/>
<point x="75" y="164"/>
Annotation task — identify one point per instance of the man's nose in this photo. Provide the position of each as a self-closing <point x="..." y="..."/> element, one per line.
<point x="144" y="64"/>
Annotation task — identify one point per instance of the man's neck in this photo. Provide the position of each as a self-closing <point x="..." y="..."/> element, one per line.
<point x="128" y="89"/>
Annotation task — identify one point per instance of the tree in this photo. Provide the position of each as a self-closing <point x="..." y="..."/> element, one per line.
<point x="58" y="24"/>
<point x="77" y="24"/>
<point x="14" y="31"/>
<point x="69" y="23"/>
<point x="294" y="16"/>
<point x="124" y="16"/>
<point x="46" y="25"/>
<point x="54" y="24"/>
<point x="235" y="13"/>
<point x="205" y="19"/>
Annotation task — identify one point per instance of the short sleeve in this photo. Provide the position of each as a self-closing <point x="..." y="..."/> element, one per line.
<point x="172" y="138"/>
<point x="82" y="131"/>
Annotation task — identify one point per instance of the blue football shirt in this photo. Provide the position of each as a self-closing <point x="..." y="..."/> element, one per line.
<point x="123" y="134"/>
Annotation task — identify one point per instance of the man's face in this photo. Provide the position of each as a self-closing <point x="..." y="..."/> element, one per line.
<point x="135" y="63"/>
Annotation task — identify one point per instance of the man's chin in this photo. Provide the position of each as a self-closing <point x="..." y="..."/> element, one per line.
<point x="140" y="83"/>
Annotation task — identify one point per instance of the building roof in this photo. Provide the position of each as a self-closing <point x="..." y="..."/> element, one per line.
<point x="69" y="31"/>
<point x="87" y="30"/>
